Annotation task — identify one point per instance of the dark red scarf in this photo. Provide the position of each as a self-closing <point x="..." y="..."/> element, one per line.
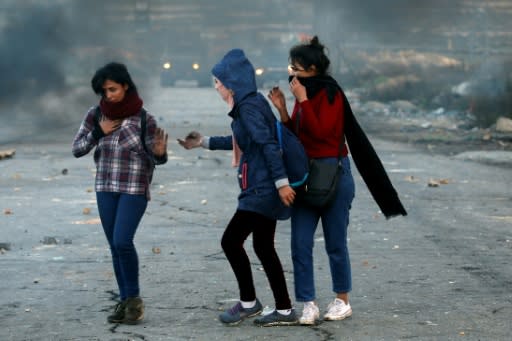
<point x="129" y="106"/>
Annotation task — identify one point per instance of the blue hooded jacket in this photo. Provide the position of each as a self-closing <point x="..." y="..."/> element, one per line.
<point x="261" y="168"/>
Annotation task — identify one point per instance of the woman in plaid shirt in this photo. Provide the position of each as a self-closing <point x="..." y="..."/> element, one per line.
<point x="124" y="163"/>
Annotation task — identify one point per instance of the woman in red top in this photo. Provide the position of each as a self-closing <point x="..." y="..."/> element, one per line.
<point x="318" y="120"/>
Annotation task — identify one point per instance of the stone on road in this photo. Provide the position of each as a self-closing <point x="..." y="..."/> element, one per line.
<point x="441" y="273"/>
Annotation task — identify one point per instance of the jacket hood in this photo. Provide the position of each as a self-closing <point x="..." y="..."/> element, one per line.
<point x="236" y="72"/>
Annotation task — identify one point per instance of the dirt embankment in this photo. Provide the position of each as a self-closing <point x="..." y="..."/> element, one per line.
<point x="442" y="103"/>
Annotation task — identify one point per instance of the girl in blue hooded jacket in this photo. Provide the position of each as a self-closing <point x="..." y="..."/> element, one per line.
<point x="265" y="191"/>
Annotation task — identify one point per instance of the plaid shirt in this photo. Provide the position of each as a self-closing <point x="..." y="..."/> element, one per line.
<point x="122" y="164"/>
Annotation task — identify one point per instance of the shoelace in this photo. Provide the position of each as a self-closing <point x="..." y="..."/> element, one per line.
<point x="235" y="309"/>
<point x="338" y="305"/>
<point x="309" y="310"/>
<point x="118" y="307"/>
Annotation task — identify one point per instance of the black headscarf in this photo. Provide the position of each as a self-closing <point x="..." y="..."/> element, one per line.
<point x="316" y="83"/>
<point x="365" y="158"/>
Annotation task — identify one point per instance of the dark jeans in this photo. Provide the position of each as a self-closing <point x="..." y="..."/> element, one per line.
<point x="335" y="220"/>
<point x="120" y="215"/>
<point x="263" y="231"/>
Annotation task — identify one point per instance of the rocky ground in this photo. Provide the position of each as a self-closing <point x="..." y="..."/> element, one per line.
<point x="440" y="131"/>
<point x="415" y="277"/>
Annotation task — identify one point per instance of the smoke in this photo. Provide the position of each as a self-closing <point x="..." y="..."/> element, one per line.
<point x="50" y="49"/>
<point x="49" y="53"/>
<point x="32" y="46"/>
<point x="35" y="44"/>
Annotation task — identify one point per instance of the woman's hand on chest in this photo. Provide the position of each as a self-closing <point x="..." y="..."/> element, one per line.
<point x="108" y="126"/>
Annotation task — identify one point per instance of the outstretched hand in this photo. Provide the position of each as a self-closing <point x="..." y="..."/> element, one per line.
<point x="160" y="142"/>
<point x="192" y="140"/>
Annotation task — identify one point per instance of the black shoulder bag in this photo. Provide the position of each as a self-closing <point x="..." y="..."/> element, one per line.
<point x="320" y="188"/>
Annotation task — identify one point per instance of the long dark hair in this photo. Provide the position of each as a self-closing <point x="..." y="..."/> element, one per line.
<point x="113" y="71"/>
<point x="311" y="53"/>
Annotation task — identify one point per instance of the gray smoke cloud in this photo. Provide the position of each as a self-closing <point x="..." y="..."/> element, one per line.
<point x="50" y="49"/>
<point x="33" y="43"/>
<point x="49" y="53"/>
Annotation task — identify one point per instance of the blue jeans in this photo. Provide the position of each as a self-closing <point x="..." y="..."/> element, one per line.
<point x="335" y="219"/>
<point x="120" y="215"/>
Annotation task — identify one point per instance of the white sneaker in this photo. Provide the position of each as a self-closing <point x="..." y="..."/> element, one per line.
<point x="310" y="314"/>
<point x="337" y="310"/>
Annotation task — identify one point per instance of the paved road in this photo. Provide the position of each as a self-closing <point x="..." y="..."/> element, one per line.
<point x="441" y="273"/>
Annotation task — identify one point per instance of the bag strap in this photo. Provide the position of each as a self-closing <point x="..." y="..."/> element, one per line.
<point x="97" y="115"/>
<point x="279" y="134"/>
<point x="143" y="113"/>
<point x="143" y="129"/>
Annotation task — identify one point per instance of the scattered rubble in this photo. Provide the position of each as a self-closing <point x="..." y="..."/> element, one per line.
<point x="437" y="182"/>
<point x="504" y="125"/>
<point x="5" y="154"/>
<point x="50" y="240"/>
<point x="443" y="131"/>
<point x="5" y="246"/>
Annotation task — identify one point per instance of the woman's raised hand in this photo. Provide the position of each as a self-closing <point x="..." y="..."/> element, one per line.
<point x="276" y="96"/>
<point x="160" y="142"/>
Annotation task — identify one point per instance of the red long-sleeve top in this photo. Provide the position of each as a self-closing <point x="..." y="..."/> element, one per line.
<point x="321" y="125"/>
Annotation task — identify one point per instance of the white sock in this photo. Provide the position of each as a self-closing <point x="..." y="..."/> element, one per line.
<point x="247" y="305"/>
<point x="284" y="311"/>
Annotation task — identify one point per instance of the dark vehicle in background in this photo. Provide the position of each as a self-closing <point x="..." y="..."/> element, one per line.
<point x="186" y="59"/>
<point x="196" y="71"/>
<point x="181" y="68"/>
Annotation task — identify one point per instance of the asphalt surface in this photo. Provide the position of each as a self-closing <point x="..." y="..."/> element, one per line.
<point x="441" y="273"/>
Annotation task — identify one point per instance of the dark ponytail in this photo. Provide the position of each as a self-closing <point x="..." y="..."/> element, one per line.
<point x="311" y="53"/>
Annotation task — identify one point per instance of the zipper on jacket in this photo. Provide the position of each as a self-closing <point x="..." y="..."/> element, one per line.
<point x="244" y="175"/>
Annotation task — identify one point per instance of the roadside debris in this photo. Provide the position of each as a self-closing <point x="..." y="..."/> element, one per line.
<point x="5" y="247"/>
<point x="94" y="221"/>
<point x="8" y="153"/>
<point x="411" y="178"/>
<point x="50" y="240"/>
<point x="504" y="125"/>
<point x="437" y="182"/>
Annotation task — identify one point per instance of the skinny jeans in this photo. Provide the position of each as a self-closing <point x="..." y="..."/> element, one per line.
<point x="120" y="215"/>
